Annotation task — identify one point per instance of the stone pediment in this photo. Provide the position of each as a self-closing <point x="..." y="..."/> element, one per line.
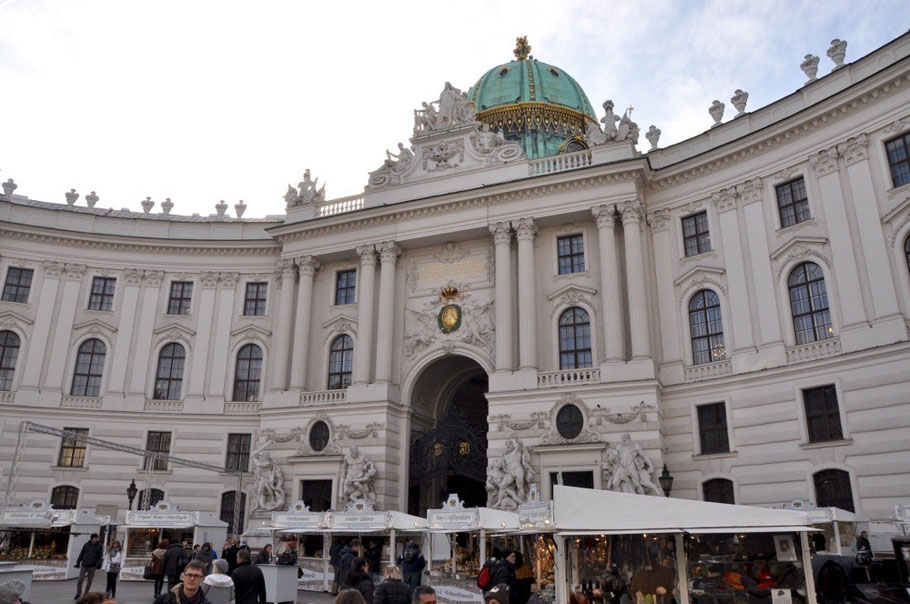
<point x="174" y="332"/>
<point x="94" y="327"/>
<point x="796" y="242"/>
<point x="708" y="270"/>
<point x="572" y="290"/>
<point x="339" y="324"/>
<point x="252" y="332"/>
<point x="13" y="320"/>
<point x="808" y="248"/>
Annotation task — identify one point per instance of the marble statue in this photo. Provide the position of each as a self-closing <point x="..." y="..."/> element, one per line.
<point x="400" y="162"/>
<point x="594" y="135"/>
<point x="487" y="140"/>
<point x="629" y="469"/>
<point x="308" y="191"/>
<point x="627" y="129"/>
<point x="609" y="120"/>
<point x="269" y="481"/>
<point x="358" y="477"/>
<point x="509" y="477"/>
<point x="9" y="186"/>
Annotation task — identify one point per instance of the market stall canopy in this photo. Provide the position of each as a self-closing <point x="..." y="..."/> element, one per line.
<point x="165" y="515"/>
<point x="585" y="511"/>
<point x="454" y="517"/>
<point x="38" y="514"/>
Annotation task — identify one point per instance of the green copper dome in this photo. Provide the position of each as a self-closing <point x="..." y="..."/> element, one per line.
<point x="535" y="104"/>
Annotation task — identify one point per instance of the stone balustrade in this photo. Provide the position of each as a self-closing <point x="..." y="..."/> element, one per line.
<point x="339" y="206"/>
<point x="813" y="350"/>
<point x="164" y="406"/>
<point x="323" y="397"/>
<point x="242" y="408"/>
<point x="553" y="379"/>
<point x="706" y="371"/>
<point x="560" y="163"/>
<point x="81" y="402"/>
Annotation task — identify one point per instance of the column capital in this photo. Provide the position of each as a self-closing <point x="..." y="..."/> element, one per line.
<point x="502" y="232"/>
<point x="854" y="149"/>
<point x="724" y="199"/>
<point x="153" y="278"/>
<point x="132" y="276"/>
<point x="286" y="268"/>
<point x="525" y="229"/>
<point x="307" y="265"/>
<point x="367" y="254"/>
<point x="75" y="272"/>
<point x="389" y="251"/>
<point x="750" y="191"/>
<point x="209" y="280"/>
<point x="53" y="269"/>
<point x="228" y="280"/>
<point x="824" y="162"/>
<point x="659" y="220"/>
<point x="632" y="211"/>
<point x="604" y="215"/>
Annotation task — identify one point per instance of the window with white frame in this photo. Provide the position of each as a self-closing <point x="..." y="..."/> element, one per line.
<point x="18" y="284"/>
<point x="247" y="373"/>
<point x="712" y="428"/>
<point x="169" y="376"/>
<point x="575" y="339"/>
<point x="706" y="328"/>
<point x="822" y="414"/>
<point x="89" y="368"/>
<point x="809" y="303"/>
<point x="9" y="354"/>
<point x="792" y="202"/>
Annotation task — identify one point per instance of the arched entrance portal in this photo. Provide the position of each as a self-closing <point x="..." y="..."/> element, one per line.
<point x="448" y="444"/>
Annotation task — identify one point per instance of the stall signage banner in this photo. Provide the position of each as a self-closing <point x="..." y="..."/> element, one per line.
<point x="305" y="520"/>
<point x="374" y="520"/>
<point x="460" y="519"/>
<point x="450" y="593"/>
<point x="535" y="514"/>
<point x="36" y="518"/>
<point x="167" y="519"/>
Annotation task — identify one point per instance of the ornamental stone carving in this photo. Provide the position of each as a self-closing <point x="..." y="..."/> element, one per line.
<point x="739" y="100"/>
<point x="632" y="211"/>
<point x="586" y="435"/>
<point x="451" y="110"/>
<point x="147" y="205"/>
<point x="502" y="232"/>
<point x="717" y="113"/>
<point x="228" y="280"/>
<point x="653" y="136"/>
<point x="749" y="191"/>
<point x="308" y="191"/>
<point x="71" y="197"/>
<point x="810" y="67"/>
<point x="442" y="156"/>
<point x="268" y="478"/>
<point x="628" y="470"/>
<point x="53" y="269"/>
<point x="898" y="125"/>
<point x="166" y="206"/>
<point x="509" y="477"/>
<point x="724" y="200"/>
<point x="855" y="149"/>
<point x="153" y="278"/>
<point x="91" y="199"/>
<point x="539" y="420"/>
<point x="220" y="208"/>
<point x="476" y="329"/>
<point x="389" y="251"/>
<point x="800" y="250"/>
<point x="132" y="276"/>
<point x="700" y="277"/>
<point x="359" y="475"/>
<point x="367" y="254"/>
<point x="303" y="436"/>
<point x="307" y="265"/>
<point x="824" y="162"/>
<point x="492" y="146"/>
<point x="371" y="430"/>
<point x="836" y="52"/>
<point x="9" y="186"/>
<point x="659" y="220"/>
<point x="286" y="268"/>
<point x="604" y="215"/>
<point x="239" y="208"/>
<point x="75" y="272"/>
<point x="525" y="229"/>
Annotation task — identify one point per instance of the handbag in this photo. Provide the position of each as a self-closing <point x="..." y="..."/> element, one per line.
<point x="147" y="572"/>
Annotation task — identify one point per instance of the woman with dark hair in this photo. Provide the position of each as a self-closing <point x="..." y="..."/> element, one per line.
<point x="158" y="565"/>
<point x="359" y="579"/>
<point x="349" y="596"/>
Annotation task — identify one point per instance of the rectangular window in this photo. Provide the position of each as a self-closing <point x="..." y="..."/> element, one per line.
<point x="102" y="296"/>
<point x="696" y="238"/>
<point x="181" y="296"/>
<point x="822" y="414"/>
<point x="158" y="442"/>
<point x="255" y="302"/>
<point x="792" y="202"/>
<point x="581" y="479"/>
<point x="570" y="251"/>
<point x="18" y="284"/>
<point x="345" y="286"/>
<point x="72" y="451"/>
<point x="238" y="452"/>
<point x="712" y="428"/>
<point x="899" y="159"/>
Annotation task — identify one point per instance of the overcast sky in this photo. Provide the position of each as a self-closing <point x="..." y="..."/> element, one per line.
<point x="206" y="100"/>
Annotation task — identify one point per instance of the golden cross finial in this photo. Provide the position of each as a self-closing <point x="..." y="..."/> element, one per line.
<point x="630" y="110"/>
<point x="522" y="48"/>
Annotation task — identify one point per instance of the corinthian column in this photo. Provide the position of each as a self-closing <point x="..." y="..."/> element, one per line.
<point x="609" y="284"/>
<point x="525" y="231"/>
<point x="388" y="252"/>
<point x="635" y="278"/>
<point x="286" y="271"/>
<point x="502" y="236"/>
<point x="306" y="268"/>
<point x="363" y="350"/>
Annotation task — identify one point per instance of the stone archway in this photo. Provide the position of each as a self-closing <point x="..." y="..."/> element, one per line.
<point x="448" y="434"/>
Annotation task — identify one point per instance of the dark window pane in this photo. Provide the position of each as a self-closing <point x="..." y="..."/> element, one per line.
<point x="169" y="378"/>
<point x="181" y="298"/>
<point x="809" y="304"/>
<point x="569" y="421"/>
<point x="574" y="339"/>
<point x="254" y="303"/>
<point x="696" y="238"/>
<point x="238" y="452"/>
<point x="9" y="354"/>
<point x="345" y="286"/>
<point x="571" y="254"/>
<point x="18" y="284"/>
<point x="157" y="442"/>
<point x="822" y="414"/>
<point x="341" y="362"/>
<point x="72" y="450"/>
<point x="89" y="368"/>
<point x="718" y="490"/>
<point x="102" y="294"/>
<point x="832" y="489"/>
<point x="65" y="498"/>
<point x="319" y="436"/>
<point x="712" y="428"/>
<point x="706" y="328"/>
<point x="792" y="202"/>
<point x="228" y="505"/>
<point x="247" y="373"/>
<point x="898" y="159"/>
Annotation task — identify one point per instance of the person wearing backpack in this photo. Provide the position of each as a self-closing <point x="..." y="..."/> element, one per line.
<point x="175" y="559"/>
<point x="412" y="565"/>
<point x="504" y="572"/>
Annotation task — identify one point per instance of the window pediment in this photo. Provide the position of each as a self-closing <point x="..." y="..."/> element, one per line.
<point x="15" y="321"/>
<point x="699" y="277"/>
<point x="174" y="333"/>
<point x="800" y="248"/>
<point x="338" y="325"/>
<point x="96" y="328"/>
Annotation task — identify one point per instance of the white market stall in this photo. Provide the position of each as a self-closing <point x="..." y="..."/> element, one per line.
<point x="836" y="525"/>
<point x="455" y="580"/>
<point x="144" y="529"/>
<point x="47" y="539"/>
<point x="315" y="574"/>
<point x="535" y="534"/>
<point x="695" y="551"/>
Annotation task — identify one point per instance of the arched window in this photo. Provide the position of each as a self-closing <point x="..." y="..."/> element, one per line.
<point x="574" y="339"/>
<point x="706" y="328"/>
<point x="341" y="362"/>
<point x="718" y="490"/>
<point x="148" y="498"/>
<point x="247" y="373"/>
<point x="65" y="498"/>
<point x="169" y="378"/>
<point x="809" y="303"/>
<point x="9" y="352"/>
<point x="907" y="251"/>
<point x="89" y="368"/>
<point x="832" y="489"/>
<point x="228" y="503"/>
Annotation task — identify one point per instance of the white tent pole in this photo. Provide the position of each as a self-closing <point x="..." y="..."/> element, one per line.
<point x="392" y="547"/>
<point x="561" y="571"/>
<point x="837" y="549"/>
<point x="483" y="548"/>
<point x="682" y="569"/>
<point x="807" y="567"/>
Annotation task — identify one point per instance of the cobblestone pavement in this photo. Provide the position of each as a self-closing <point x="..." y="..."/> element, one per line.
<point x="130" y="592"/>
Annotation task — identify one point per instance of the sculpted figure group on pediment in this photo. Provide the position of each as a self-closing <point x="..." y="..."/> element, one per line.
<point x="452" y="109"/>
<point x="307" y="191"/>
<point x="625" y="129"/>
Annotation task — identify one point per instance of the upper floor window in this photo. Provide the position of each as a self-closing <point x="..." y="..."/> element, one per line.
<point x="89" y="368"/>
<point x="706" y="328"/>
<point x="899" y="159"/>
<point x="169" y="377"/>
<point x="574" y="339"/>
<point x="809" y="304"/>
<point x="345" y="286"/>
<point x="792" y="202"/>
<point x="18" y="284"/>
<point x="238" y="452"/>
<point x="248" y="373"/>
<point x="72" y="450"/>
<point x="696" y="238"/>
<point x="712" y="428"/>
<point x="822" y="414"/>
<point x="158" y="442"/>
<point x="148" y="498"/>
<point x="341" y="362"/>
<point x="255" y="302"/>
<point x="832" y="489"/>
<point x="181" y="297"/>
<point x="102" y="296"/>
<point x="65" y="498"/>
<point x="9" y="353"/>
<point x="718" y="490"/>
<point x="570" y="251"/>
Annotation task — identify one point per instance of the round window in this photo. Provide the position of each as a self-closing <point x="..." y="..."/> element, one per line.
<point x="569" y="421"/>
<point x="319" y="436"/>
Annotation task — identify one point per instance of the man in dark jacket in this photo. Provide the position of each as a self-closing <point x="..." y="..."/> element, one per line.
<point x="174" y="560"/>
<point x="345" y="561"/>
<point x="90" y="559"/>
<point x="373" y="553"/>
<point x="189" y="591"/>
<point x="249" y="584"/>
<point x="230" y="555"/>
<point x="334" y="561"/>
<point x="412" y="565"/>
<point x="392" y="590"/>
<point x="504" y="572"/>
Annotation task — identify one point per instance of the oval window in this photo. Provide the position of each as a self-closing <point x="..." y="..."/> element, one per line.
<point x="569" y="421"/>
<point x="319" y="436"/>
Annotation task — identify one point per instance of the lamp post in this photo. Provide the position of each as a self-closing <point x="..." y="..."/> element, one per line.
<point x="132" y="490"/>
<point x="666" y="481"/>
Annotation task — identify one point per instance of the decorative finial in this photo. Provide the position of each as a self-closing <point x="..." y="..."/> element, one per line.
<point x="147" y="205"/>
<point x="221" y="207"/>
<point x="91" y="199"/>
<point x="653" y="136"/>
<point x="71" y="197"/>
<point x="166" y="206"/>
<point x="717" y="112"/>
<point x="810" y="67"/>
<point x="240" y="208"/>
<point x="522" y="48"/>
<point x="9" y="186"/>
<point x="837" y="52"/>
<point x="739" y="100"/>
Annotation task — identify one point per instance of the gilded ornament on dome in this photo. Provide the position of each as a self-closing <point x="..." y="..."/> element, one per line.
<point x="522" y="48"/>
<point x="449" y="318"/>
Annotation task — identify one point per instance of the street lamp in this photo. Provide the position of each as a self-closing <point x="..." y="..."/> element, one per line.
<point x="132" y="490"/>
<point x="666" y="481"/>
